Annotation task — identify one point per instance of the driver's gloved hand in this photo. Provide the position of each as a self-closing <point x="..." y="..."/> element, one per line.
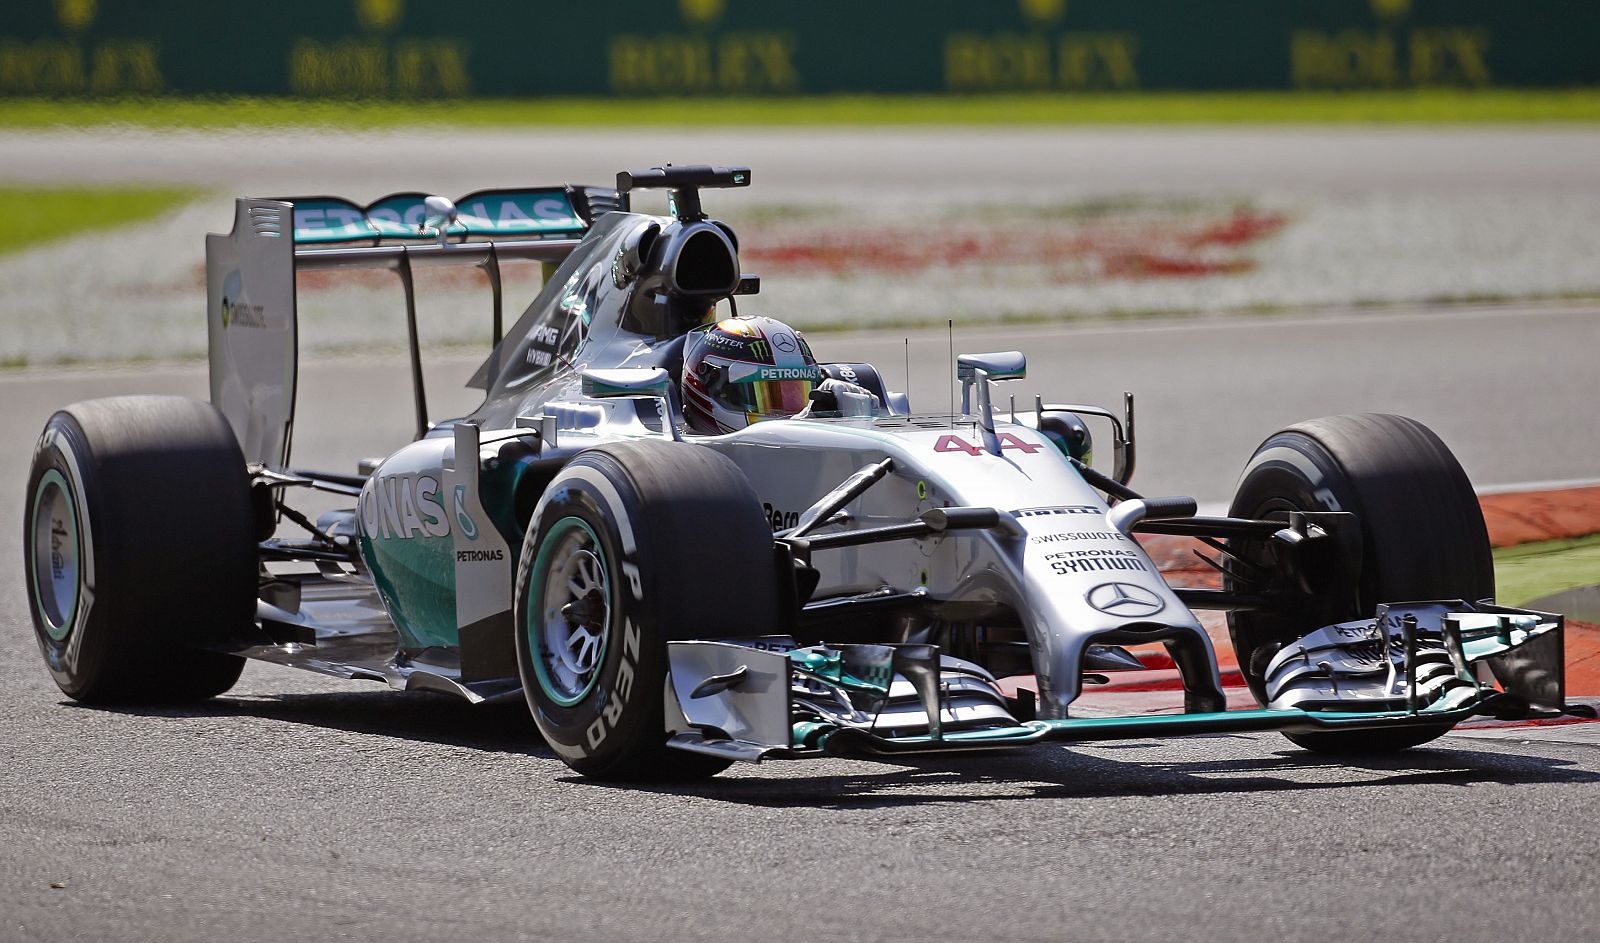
<point x="840" y="398"/>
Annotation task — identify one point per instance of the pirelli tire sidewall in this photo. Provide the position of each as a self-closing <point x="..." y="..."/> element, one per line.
<point x="65" y="654"/>
<point x="625" y="699"/>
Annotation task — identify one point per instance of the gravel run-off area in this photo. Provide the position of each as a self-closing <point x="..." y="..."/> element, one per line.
<point x="894" y="229"/>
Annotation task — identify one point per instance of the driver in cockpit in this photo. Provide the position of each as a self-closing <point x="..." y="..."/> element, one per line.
<point x="742" y="370"/>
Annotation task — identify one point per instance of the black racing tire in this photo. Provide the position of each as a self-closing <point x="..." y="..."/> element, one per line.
<point x="1422" y="537"/>
<point x="139" y="548"/>
<point x="677" y="547"/>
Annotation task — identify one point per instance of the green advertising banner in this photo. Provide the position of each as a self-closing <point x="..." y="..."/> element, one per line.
<point x="515" y="48"/>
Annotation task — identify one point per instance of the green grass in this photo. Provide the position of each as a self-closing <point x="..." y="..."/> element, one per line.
<point x="1440" y="106"/>
<point x="1532" y="571"/>
<point x="57" y="213"/>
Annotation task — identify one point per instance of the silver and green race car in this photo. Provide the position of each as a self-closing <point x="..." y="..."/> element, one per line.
<point x="843" y="583"/>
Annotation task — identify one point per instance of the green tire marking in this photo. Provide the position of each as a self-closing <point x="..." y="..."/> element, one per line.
<point x="535" y="620"/>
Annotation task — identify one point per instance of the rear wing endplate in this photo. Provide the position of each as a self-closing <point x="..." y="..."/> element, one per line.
<point x="252" y="328"/>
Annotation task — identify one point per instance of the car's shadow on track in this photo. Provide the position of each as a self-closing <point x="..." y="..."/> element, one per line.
<point x="418" y="716"/>
<point x="1135" y="768"/>
<point x="1064" y="773"/>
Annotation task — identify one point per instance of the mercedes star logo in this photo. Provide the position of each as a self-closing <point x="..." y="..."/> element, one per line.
<point x="783" y="342"/>
<point x="1124" y="599"/>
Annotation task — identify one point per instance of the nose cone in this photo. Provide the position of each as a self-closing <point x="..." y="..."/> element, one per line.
<point x="1085" y="582"/>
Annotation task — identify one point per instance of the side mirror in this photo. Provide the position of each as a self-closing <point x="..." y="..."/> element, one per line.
<point x="1002" y="365"/>
<point x="637" y="383"/>
<point x="626" y="381"/>
<point x="976" y="370"/>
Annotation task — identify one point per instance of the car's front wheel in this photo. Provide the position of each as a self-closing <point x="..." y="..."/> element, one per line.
<point x="632" y="545"/>
<point x="1422" y="537"/>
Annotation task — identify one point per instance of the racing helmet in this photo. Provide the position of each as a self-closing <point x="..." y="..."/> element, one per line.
<point x="743" y="370"/>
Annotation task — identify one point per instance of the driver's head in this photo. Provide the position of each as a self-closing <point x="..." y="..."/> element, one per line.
<point x="743" y="370"/>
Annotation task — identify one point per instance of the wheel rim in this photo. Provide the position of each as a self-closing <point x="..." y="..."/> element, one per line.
<point x="570" y="626"/>
<point x="56" y="552"/>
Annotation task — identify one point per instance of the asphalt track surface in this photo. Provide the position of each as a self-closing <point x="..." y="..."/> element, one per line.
<point x="304" y="807"/>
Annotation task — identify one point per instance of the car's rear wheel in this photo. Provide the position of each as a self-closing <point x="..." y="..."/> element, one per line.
<point x="633" y="545"/>
<point x="1422" y="537"/>
<point x="139" y="549"/>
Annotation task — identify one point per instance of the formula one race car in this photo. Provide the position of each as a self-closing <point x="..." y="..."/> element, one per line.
<point x="673" y="585"/>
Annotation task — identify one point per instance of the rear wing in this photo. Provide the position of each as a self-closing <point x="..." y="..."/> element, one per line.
<point x="252" y="328"/>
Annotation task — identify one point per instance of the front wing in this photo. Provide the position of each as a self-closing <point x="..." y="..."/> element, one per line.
<point x="761" y="699"/>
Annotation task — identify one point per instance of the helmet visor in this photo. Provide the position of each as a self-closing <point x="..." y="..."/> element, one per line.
<point x="772" y="391"/>
<point x="776" y="397"/>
